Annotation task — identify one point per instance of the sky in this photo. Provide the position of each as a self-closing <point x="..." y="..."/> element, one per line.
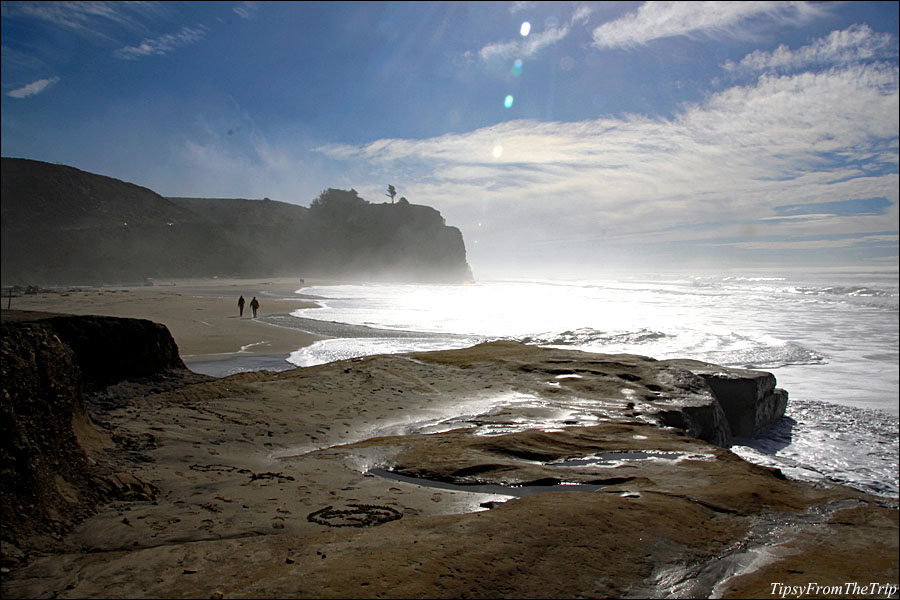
<point x="559" y="137"/>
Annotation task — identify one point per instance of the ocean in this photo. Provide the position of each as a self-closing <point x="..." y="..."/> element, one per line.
<point x="829" y="337"/>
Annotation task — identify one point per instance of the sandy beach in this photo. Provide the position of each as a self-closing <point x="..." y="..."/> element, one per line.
<point x="202" y="316"/>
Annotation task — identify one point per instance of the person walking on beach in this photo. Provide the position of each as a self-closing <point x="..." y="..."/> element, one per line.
<point x="254" y="305"/>
<point x="241" y="305"/>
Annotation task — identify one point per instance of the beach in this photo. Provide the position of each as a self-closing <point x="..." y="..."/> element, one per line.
<point x="201" y="314"/>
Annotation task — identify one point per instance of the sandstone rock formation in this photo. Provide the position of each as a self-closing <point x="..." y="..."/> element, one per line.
<point x="749" y="399"/>
<point x="53" y="366"/>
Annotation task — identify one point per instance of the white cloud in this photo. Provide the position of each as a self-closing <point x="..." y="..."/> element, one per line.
<point x="852" y="242"/>
<point x="535" y="42"/>
<point x="705" y="174"/>
<point x="655" y="20"/>
<point x="520" y="6"/>
<point x="581" y="14"/>
<point x="33" y="88"/>
<point x="529" y="46"/>
<point x="163" y="44"/>
<point x="854" y="44"/>
<point x="247" y="10"/>
<point x="90" y="19"/>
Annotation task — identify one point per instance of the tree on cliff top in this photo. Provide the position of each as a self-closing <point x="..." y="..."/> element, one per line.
<point x="391" y="192"/>
<point x="335" y="201"/>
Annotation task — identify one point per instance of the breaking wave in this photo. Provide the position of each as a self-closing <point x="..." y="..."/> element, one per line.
<point x="587" y="336"/>
<point x="730" y="350"/>
<point x="818" y="441"/>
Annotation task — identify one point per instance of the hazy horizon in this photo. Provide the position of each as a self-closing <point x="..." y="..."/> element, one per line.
<point x="561" y="138"/>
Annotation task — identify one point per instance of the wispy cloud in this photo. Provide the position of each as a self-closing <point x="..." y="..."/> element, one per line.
<point x="163" y="44"/>
<point x="525" y="48"/>
<point x="581" y="14"/>
<point x="849" y="242"/>
<point x="535" y="42"/>
<point x="655" y="20"/>
<point x="856" y="43"/>
<point x="520" y="6"/>
<point x="90" y="19"/>
<point x="247" y="10"/>
<point x="33" y="88"/>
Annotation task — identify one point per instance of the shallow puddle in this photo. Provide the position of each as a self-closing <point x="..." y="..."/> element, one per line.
<point x="518" y="491"/>
<point x="612" y="459"/>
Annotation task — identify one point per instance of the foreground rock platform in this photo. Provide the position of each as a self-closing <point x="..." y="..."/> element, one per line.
<point x="502" y="470"/>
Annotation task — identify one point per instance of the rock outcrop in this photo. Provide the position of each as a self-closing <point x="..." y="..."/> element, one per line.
<point x="53" y="367"/>
<point x="707" y="401"/>
<point x="749" y="399"/>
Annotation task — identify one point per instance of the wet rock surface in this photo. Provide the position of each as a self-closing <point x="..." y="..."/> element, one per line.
<point x="265" y="485"/>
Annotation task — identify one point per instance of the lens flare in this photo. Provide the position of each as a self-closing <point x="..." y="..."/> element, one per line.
<point x="525" y="29"/>
<point x="508" y="101"/>
<point x="517" y="68"/>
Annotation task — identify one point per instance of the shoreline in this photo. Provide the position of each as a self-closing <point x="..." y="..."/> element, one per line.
<point x="219" y="365"/>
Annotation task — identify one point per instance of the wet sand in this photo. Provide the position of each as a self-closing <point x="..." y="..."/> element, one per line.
<point x="202" y="316"/>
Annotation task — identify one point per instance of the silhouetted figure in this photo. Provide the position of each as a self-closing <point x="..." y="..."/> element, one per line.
<point x="241" y="305"/>
<point x="254" y="305"/>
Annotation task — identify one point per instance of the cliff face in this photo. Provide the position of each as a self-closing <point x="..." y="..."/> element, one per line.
<point x="61" y="225"/>
<point x="53" y="474"/>
<point x="342" y="234"/>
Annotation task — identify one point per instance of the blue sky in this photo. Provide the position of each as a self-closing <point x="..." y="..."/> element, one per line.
<point x="559" y="137"/>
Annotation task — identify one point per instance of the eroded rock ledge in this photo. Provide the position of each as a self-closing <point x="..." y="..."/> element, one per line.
<point x="54" y="368"/>
<point x="264" y="484"/>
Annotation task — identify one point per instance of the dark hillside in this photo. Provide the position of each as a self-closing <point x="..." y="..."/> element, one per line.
<point x="44" y="195"/>
<point x="270" y="231"/>
<point x="242" y="212"/>
<point x="63" y="226"/>
<point x="66" y="226"/>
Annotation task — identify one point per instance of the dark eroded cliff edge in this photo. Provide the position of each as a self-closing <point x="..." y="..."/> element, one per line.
<point x="53" y="368"/>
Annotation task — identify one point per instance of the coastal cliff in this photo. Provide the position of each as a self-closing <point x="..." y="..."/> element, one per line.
<point x="54" y="367"/>
<point x="501" y="470"/>
<point x="63" y="226"/>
